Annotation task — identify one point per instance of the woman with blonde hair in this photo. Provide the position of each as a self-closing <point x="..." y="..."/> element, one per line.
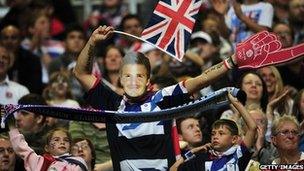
<point x="273" y="79"/>
<point x="275" y="88"/>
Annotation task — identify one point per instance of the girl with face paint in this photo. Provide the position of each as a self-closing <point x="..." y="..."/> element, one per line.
<point x="57" y="148"/>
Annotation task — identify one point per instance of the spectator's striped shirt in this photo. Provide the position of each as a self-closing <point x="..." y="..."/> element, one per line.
<point x="140" y="146"/>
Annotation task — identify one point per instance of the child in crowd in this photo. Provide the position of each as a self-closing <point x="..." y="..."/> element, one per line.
<point x="57" y="157"/>
<point x="58" y="93"/>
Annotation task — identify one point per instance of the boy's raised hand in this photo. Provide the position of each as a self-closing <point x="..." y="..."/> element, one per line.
<point x="101" y="33"/>
<point x="234" y="101"/>
<point x="249" y="137"/>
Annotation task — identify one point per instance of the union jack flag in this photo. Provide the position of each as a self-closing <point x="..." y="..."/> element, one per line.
<point x="171" y="25"/>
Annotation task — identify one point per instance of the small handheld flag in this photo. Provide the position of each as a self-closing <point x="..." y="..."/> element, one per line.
<point x="171" y="25"/>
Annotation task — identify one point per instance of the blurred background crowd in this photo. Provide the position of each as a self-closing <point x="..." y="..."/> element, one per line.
<point x="40" y="41"/>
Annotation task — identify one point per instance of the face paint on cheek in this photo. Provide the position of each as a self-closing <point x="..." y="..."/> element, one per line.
<point x="52" y="145"/>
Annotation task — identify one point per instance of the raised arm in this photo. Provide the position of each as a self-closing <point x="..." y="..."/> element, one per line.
<point x="253" y="26"/>
<point x="83" y="69"/>
<point x="32" y="161"/>
<point x="252" y="127"/>
<point x="209" y="76"/>
<point x="274" y="103"/>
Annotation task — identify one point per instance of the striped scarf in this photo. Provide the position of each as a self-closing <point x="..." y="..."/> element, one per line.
<point x="226" y="161"/>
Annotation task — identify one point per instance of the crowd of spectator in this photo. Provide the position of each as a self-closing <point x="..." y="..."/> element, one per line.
<point x="41" y="41"/>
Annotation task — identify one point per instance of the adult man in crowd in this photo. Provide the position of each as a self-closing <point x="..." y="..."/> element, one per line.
<point x="26" y="67"/>
<point x="10" y="91"/>
<point x="32" y="125"/>
<point x="189" y="132"/>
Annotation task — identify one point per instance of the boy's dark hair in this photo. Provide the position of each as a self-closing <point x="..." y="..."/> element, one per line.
<point x="137" y="58"/>
<point x="92" y="147"/>
<point x="73" y="27"/>
<point x="231" y="125"/>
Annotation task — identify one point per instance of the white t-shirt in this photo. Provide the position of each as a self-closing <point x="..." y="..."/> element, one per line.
<point x="66" y="103"/>
<point x="11" y="92"/>
<point x="261" y="13"/>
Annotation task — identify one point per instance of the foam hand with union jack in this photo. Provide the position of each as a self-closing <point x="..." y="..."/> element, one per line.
<point x="171" y="25"/>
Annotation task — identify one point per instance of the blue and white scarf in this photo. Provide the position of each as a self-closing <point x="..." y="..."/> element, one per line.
<point x="226" y="161"/>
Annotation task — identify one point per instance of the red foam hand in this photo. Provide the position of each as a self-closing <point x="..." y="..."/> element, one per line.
<point x="263" y="49"/>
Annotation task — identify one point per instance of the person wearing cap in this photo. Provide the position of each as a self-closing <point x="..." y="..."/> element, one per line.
<point x="202" y="43"/>
<point x="210" y="25"/>
<point x="192" y="64"/>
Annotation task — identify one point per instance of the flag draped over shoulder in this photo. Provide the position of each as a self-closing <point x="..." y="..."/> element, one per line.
<point x="171" y="25"/>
